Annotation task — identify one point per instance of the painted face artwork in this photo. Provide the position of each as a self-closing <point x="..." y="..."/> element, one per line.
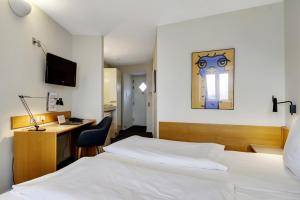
<point x="211" y="89"/>
<point x="214" y="63"/>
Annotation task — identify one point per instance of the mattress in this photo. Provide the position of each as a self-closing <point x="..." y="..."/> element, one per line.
<point x="250" y="177"/>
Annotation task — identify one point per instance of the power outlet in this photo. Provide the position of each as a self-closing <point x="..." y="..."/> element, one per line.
<point x="31" y="121"/>
<point x="37" y="119"/>
<point x="43" y="118"/>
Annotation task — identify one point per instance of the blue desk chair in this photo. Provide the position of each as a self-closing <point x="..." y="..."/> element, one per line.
<point x="95" y="136"/>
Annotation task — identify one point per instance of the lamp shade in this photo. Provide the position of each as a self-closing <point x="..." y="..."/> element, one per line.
<point x="275" y="102"/>
<point x="20" y="7"/>
<point x="60" y="102"/>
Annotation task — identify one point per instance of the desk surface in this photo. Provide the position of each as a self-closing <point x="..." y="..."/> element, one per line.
<point x="58" y="129"/>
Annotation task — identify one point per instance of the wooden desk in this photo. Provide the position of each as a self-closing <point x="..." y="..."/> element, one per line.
<point x="35" y="153"/>
<point x="266" y="149"/>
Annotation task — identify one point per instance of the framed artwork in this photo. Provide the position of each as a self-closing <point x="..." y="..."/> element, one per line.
<point x="213" y="79"/>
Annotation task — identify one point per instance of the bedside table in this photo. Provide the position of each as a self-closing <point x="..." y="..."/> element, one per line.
<point x="266" y="149"/>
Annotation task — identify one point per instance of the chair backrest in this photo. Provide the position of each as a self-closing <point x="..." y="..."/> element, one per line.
<point x="95" y="136"/>
<point x="104" y="125"/>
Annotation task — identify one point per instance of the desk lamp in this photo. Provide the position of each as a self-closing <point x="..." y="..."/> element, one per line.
<point x="37" y="127"/>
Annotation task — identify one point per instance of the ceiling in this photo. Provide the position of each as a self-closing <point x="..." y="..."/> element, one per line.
<point x="129" y="26"/>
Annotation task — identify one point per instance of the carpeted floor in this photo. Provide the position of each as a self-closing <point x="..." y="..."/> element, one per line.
<point x="134" y="130"/>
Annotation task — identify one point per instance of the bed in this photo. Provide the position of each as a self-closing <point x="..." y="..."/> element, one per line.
<point x="113" y="175"/>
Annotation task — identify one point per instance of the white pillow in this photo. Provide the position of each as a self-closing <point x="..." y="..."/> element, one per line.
<point x="291" y="154"/>
<point x="181" y="154"/>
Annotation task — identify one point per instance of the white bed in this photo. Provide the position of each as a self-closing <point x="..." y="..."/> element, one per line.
<point x="249" y="176"/>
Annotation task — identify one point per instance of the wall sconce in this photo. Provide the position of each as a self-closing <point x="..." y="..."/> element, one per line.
<point x="293" y="108"/>
<point x="21" y="8"/>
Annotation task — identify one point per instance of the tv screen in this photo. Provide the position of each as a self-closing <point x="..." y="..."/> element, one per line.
<point x="60" y="71"/>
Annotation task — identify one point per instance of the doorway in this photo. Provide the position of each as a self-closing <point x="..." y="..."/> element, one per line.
<point x="139" y="108"/>
<point x="135" y="106"/>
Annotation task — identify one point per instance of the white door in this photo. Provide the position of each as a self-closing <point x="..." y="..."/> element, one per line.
<point x="139" y="100"/>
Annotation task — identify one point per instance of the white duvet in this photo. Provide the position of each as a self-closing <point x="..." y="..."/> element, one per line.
<point x="107" y="177"/>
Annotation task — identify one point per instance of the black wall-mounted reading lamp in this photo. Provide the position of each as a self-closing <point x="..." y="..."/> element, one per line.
<point x="293" y="108"/>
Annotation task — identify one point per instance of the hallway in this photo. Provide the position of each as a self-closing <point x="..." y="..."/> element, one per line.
<point x="133" y="130"/>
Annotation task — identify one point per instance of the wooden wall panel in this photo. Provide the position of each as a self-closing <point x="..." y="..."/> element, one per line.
<point x="234" y="137"/>
<point x="285" y="133"/>
<point x="24" y="121"/>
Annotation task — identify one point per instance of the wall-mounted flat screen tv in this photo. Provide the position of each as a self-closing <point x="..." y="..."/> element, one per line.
<point x="60" y="71"/>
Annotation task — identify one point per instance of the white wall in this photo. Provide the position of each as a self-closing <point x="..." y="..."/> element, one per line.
<point x="257" y="35"/>
<point x="87" y="96"/>
<point x="119" y="100"/>
<point x="292" y="39"/>
<point x="22" y="71"/>
<point x="127" y="112"/>
<point x="137" y="70"/>
<point x="149" y="93"/>
<point x="154" y="97"/>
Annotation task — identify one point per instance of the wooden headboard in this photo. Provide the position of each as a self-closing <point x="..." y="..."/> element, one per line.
<point x="234" y="137"/>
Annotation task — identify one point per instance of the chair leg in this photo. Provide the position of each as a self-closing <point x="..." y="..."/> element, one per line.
<point x="79" y="153"/>
<point x="99" y="149"/>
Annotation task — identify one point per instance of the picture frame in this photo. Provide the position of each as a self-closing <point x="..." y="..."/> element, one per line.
<point x="212" y="85"/>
